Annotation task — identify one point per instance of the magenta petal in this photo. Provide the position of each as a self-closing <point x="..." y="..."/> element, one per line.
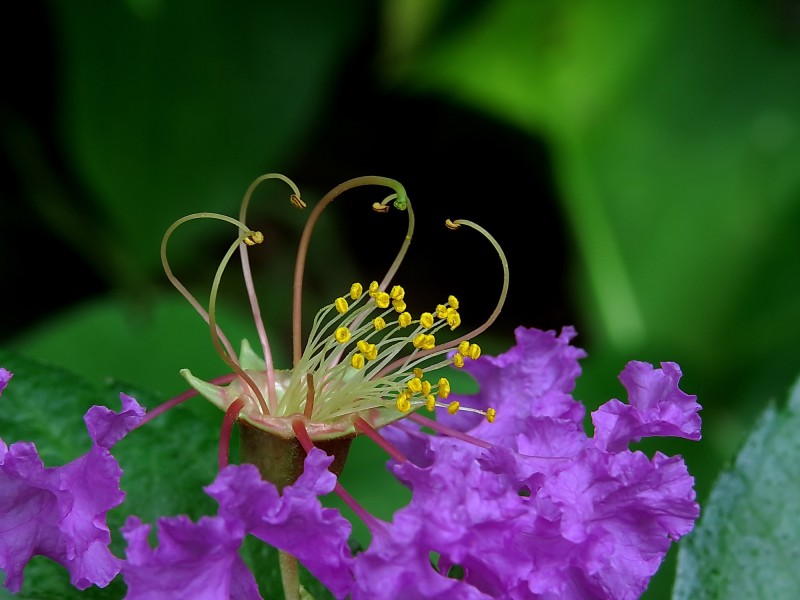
<point x="192" y="560"/>
<point x="657" y="407"/>
<point x="397" y="567"/>
<point x="60" y="512"/>
<point x="295" y="521"/>
<point x="5" y="377"/>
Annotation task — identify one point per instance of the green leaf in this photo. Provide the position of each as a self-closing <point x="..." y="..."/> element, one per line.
<point x="675" y="146"/>
<point x="747" y="544"/>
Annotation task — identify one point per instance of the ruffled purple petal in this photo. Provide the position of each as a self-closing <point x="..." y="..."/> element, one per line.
<point x="61" y="512"/>
<point x="295" y="521"/>
<point x="192" y="560"/>
<point x="534" y="378"/>
<point x="397" y="566"/>
<point x="657" y="407"/>
<point x="5" y="377"/>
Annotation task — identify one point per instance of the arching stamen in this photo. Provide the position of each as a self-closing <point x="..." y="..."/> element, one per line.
<point x="180" y="398"/>
<point x="227" y="428"/>
<point x="363" y="427"/>
<point x="251" y="292"/>
<point x="448" y="431"/>
<point x="250" y="237"/>
<point x="438" y="349"/>
<point x="174" y="280"/>
<point x="401" y="203"/>
<point x="305" y="441"/>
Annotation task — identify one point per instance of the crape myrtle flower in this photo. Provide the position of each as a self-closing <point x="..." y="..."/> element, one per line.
<point x="544" y="510"/>
<point x="60" y="512"/>
<point x="510" y="498"/>
<point x="366" y="364"/>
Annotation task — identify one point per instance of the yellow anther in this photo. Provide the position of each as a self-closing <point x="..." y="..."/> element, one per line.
<point x="426" y="387"/>
<point x="463" y="347"/>
<point x="453" y="407"/>
<point x="418" y="372"/>
<point x="430" y="402"/>
<point x="458" y="360"/>
<point x="444" y="388"/>
<point x="342" y="335"/>
<point x="372" y="352"/>
<point x="404" y="320"/>
<point x="403" y="405"/>
<point x="341" y="305"/>
<point x="373" y="288"/>
<point x="363" y="346"/>
<point x="356" y="290"/>
<point x="474" y="351"/>
<point x="357" y="361"/>
<point x="419" y="340"/>
<point x="297" y="201"/>
<point x="452" y="301"/>
<point x="426" y="320"/>
<point x="491" y="414"/>
<point x="397" y="293"/>
<point x="452" y="225"/>
<point x="453" y="318"/>
<point x="381" y="208"/>
<point x="415" y="385"/>
<point x="253" y="238"/>
<point x="429" y="342"/>
<point x="379" y="323"/>
<point x="382" y="299"/>
<point x="441" y="311"/>
<point x="399" y="305"/>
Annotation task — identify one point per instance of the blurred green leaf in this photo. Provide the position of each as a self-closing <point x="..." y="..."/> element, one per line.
<point x="747" y="544"/>
<point x="675" y="130"/>
<point x="168" y="106"/>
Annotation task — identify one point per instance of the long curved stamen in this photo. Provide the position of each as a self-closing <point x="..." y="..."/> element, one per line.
<point x="363" y="427"/>
<point x="248" y="280"/>
<point x="250" y="238"/>
<point x="174" y="280"/>
<point x="307" y="444"/>
<point x="302" y="250"/>
<point x="225" y="431"/>
<point x="478" y="330"/>
<point x="448" y="431"/>
<point x="180" y="398"/>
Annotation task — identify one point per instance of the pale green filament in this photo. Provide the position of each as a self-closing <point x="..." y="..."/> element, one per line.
<point x="251" y="292"/>
<point x="217" y="336"/>
<point x="302" y="250"/>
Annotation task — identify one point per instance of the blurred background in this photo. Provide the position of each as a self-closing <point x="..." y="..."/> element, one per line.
<point x="638" y="162"/>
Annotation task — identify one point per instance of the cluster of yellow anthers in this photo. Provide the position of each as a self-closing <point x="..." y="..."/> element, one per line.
<point x="422" y="338"/>
<point x="358" y="351"/>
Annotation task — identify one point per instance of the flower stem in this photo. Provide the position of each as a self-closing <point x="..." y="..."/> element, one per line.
<point x="290" y="575"/>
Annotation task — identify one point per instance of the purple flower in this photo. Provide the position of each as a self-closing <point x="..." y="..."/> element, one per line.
<point x="203" y="556"/>
<point x="193" y="560"/>
<point x="5" y="377"/>
<point x="60" y="512"/>
<point x="547" y="511"/>
<point x="656" y="408"/>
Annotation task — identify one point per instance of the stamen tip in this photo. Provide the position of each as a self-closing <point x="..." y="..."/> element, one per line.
<point x="452" y="224"/>
<point x="297" y="201"/>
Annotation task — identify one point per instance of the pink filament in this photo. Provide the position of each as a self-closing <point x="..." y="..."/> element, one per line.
<point x="368" y="430"/>
<point x="363" y="514"/>
<point x="227" y="428"/>
<point x="449" y="431"/>
<point x="173" y="402"/>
